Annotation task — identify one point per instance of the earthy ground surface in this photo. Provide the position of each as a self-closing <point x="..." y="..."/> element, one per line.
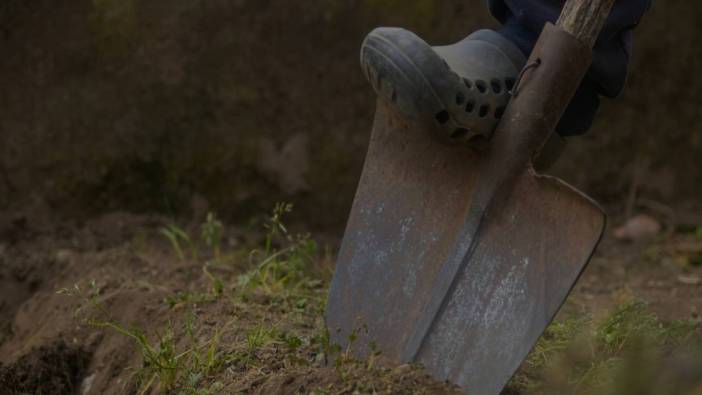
<point x="112" y="305"/>
<point x="233" y="105"/>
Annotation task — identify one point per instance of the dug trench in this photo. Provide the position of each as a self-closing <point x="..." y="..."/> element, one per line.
<point x="143" y="304"/>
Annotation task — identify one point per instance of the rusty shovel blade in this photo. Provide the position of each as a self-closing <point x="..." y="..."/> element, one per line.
<point x="457" y="259"/>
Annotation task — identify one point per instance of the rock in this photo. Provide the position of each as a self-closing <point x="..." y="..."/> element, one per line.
<point x="689" y="280"/>
<point x="87" y="384"/>
<point x="639" y="227"/>
<point x="64" y="257"/>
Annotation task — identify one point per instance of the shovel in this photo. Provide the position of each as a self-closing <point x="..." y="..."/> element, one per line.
<point x="458" y="259"/>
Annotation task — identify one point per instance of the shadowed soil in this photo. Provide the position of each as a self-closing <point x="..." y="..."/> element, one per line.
<point x="52" y="369"/>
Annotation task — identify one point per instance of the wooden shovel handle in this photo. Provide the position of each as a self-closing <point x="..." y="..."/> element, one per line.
<point x="584" y="19"/>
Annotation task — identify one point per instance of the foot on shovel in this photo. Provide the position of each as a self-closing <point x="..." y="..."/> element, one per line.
<point x="461" y="90"/>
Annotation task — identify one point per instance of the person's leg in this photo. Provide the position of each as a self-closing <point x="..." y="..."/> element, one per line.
<point x="522" y="21"/>
<point x="462" y="89"/>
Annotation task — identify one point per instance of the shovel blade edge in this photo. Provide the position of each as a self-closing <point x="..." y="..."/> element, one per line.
<point x="529" y="255"/>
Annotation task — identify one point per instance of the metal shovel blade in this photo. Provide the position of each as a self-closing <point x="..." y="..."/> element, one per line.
<point x="433" y="271"/>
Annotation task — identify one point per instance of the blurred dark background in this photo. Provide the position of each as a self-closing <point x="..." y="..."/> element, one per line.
<point x="162" y="105"/>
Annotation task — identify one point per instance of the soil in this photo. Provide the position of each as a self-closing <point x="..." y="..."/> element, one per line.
<point x="46" y="349"/>
<point x="145" y="78"/>
<point x="56" y="368"/>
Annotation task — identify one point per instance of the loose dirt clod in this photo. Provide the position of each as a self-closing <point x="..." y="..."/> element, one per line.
<point x="640" y="227"/>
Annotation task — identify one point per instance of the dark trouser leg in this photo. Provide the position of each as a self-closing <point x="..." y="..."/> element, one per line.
<point x="522" y="22"/>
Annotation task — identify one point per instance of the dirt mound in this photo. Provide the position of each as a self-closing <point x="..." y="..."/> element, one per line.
<point x="55" y="369"/>
<point x="39" y="330"/>
<point x="111" y="306"/>
<point x="137" y="304"/>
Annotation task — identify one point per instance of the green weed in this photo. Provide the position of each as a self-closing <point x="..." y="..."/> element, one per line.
<point x="283" y="276"/>
<point x="162" y="360"/>
<point x="206" y="357"/>
<point x="176" y="236"/>
<point x="166" y="365"/>
<point x="259" y="337"/>
<point x="182" y="298"/>
<point x="212" y="231"/>
<point x="211" y="234"/>
<point x="286" y="270"/>
<point x="581" y="356"/>
<point x="216" y="283"/>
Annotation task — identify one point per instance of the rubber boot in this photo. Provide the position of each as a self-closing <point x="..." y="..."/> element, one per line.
<point x="461" y="89"/>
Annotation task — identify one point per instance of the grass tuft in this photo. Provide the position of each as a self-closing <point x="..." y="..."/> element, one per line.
<point x="583" y="356"/>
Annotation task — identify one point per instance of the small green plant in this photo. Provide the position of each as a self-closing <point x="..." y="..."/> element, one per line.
<point x="284" y="270"/>
<point x="630" y="321"/>
<point x="259" y="337"/>
<point x="165" y="364"/>
<point x="582" y="356"/>
<point x="176" y="236"/>
<point x="557" y="338"/>
<point x="324" y="347"/>
<point x="162" y="360"/>
<point x="205" y="358"/>
<point x="216" y="283"/>
<point x="291" y="341"/>
<point x="211" y="236"/>
<point x="274" y="225"/>
<point x="181" y="298"/>
<point x="212" y="231"/>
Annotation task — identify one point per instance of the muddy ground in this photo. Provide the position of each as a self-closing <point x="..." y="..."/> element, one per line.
<point x="69" y="291"/>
